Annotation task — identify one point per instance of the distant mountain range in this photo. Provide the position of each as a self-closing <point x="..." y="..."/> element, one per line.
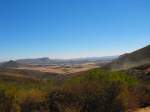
<point x="126" y="61"/>
<point x="60" y="62"/>
<point x="134" y="59"/>
<point x="48" y="61"/>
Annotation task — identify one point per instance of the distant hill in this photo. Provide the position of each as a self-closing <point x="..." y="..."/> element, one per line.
<point x="37" y="61"/>
<point x="134" y="59"/>
<point x="10" y="64"/>
<point x="47" y="61"/>
<point x="8" y="74"/>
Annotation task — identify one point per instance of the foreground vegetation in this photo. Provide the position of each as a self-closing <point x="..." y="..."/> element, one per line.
<point x="92" y="91"/>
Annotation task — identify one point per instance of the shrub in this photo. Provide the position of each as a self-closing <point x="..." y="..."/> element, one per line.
<point x="8" y="102"/>
<point x="143" y="92"/>
<point x="32" y="100"/>
<point x="98" y="91"/>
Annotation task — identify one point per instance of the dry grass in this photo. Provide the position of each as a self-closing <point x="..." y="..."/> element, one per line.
<point x="61" y="69"/>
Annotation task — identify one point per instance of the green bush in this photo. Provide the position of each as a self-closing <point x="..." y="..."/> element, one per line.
<point x="96" y="91"/>
<point x="143" y="94"/>
<point x="92" y="91"/>
<point x="8" y="102"/>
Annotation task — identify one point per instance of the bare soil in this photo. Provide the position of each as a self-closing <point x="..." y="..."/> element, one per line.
<point x="147" y="109"/>
<point x="61" y="69"/>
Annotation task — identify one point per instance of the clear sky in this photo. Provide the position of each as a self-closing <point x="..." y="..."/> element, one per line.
<point x="72" y="28"/>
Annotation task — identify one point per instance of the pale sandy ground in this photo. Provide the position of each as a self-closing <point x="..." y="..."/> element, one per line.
<point x="148" y="70"/>
<point x="61" y="69"/>
<point x="147" y="109"/>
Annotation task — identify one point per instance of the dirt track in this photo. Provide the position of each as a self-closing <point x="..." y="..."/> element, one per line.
<point x="144" y="110"/>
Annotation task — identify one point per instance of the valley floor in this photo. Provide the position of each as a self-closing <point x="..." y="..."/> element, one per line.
<point x="61" y="69"/>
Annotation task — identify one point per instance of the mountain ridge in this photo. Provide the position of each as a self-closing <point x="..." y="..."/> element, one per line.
<point x="129" y="60"/>
<point x="48" y="61"/>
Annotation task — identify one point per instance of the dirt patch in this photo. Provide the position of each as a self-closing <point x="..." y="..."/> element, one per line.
<point x="61" y="69"/>
<point x="147" y="109"/>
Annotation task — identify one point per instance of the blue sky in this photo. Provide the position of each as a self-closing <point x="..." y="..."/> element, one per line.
<point x="72" y="28"/>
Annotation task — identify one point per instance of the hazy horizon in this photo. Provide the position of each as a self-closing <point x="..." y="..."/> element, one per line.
<point x="72" y="28"/>
<point x="67" y="58"/>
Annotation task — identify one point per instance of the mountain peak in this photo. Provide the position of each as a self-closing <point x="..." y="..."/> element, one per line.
<point x="44" y="59"/>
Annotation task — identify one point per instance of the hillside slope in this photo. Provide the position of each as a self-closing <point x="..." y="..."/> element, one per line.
<point x="10" y="64"/>
<point x="16" y="75"/>
<point x="126" y="61"/>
